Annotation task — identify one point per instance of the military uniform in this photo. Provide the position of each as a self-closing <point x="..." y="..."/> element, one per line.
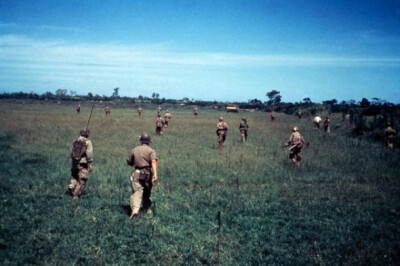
<point x="140" y="110"/>
<point x="144" y="160"/>
<point x="272" y="116"/>
<point x="78" y="108"/>
<point x="298" y="114"/>
<point x="167" y="118"/>
<point x="222" y="128"/>
<point x="243" y="128"/>
<point x="195" y="111"/>
<point x="317" y="121"/>
<point x="80" y="171"/>
<point x="107" y="110"/>
<point x="159" y="110"/>
<point x="327" y="125"/>
<point x="159" y="125"/>
<point x="389" y="136"/>
<point x="296" y="143"/>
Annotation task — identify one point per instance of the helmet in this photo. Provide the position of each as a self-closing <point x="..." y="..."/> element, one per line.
<point x="145" y="138"/>
<point x="221" y="119"/>
<point x="84" y="132"/>
<point x="295" y="129"/>
<point x="244" y="118"/>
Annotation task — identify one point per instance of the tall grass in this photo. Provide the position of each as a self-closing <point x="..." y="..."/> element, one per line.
<point x="245" y="204"/>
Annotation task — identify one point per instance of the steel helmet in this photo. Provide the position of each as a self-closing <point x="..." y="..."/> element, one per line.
<point x="221" y="119"/>
<point x="295" y="129"/>
<point x="145" y="138"/>
<point x="84" y="132"/>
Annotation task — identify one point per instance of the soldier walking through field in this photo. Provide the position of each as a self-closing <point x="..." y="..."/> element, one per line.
<point x="159" y="125"/>
<point x="298" y="113"/>
<point x="222" y="129"/>
<point x="195" y="111"/>
<point x="139" y="110"/>
<point x="327" y="125"/>
<point x="243" y="128"/>
<point x="389" y="133"/>
<point x="296" y="143"/>
<point x="82" y="163"/>
<point x="167" y="118"/>
<point x="145" y="163"/>
<point x="159" y="110"/>
<point x="317" y="121"/>
<point x="78" y="108"/>
<point x="272" y="115"/>
<point x="107" y="110"/>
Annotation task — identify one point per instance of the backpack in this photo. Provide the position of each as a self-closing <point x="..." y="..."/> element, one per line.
<point x="78" y="150"/>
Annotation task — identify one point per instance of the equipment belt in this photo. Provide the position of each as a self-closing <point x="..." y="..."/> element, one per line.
<point x="144" y="167"/>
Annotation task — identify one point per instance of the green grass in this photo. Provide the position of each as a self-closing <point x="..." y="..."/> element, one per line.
<point x="244" y="205"/>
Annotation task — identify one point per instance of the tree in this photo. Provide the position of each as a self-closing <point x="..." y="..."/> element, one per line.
<point x="254" y="101"/>
<point x="274" y="97"/>
<point x="115" y="93"/>
<point x="61" y="93"/>
<point x="307" y="100"/>
<point x="364" y="103"/>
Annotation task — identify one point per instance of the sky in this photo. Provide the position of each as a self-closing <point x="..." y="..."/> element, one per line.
<point x="233" y="50"/>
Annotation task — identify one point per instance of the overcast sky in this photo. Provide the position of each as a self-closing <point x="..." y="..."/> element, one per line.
<point x="204" y="50"/>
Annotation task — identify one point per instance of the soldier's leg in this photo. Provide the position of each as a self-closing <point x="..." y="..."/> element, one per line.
<point x="242" y="136"/>
<point x="146" y="200"/>
<point x="72" y="185"/>
<point x="81" y="184"/>
<point x="299" y="156"/>
<point x="137" y="194"/>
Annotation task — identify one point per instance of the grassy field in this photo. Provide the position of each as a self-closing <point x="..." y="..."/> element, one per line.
<point x="244" y="205"/>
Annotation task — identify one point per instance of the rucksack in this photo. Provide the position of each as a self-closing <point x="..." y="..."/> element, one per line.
<point x="78" y="149"/>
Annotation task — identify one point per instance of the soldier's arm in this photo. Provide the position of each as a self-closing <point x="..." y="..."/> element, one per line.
<point x="130" y="160"/>
<point x="154" y="166"/>
<point x="89" y="151"/>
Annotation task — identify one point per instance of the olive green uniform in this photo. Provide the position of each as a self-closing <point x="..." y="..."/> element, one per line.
<point x="167" y="118"/>
<point x="140" y="158"/>
<point x="159" y="126"/>
<point x="296" y="143"/>
<point x="327" y="125"/>
<point x="80" y="172"/>
<point x="222" y="129"/>
<point x="389" y="137"/>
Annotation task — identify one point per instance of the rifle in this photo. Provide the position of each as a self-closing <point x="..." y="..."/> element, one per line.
<point x="90" y="116"/>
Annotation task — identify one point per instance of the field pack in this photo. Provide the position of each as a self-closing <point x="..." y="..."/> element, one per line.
<point x="78" y="150"/>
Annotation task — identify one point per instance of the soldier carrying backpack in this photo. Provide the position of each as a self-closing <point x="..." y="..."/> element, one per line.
<point x="82" y="163"/>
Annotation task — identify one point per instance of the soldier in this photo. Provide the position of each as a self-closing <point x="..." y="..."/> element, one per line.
<point x="327" y="125"/>
<point x="140" y="110"/>
<point x="272" y="115"/>
<point x="389" y="136"/>
<point x="159" y="110"/>
<point x="243" y="127"/>
<point x="167" y="118"/>
<point x="78" y="108"/>
<point x="195" y="111"/>
<point x="107" y="110"/>
<point x="159" y="125"/>
<point x="296" y="143"/>
<point x="317" y="120"/>
<point x="82" y="163"/>
<point x="298" y="114"/>
<point x="144" y="160"/>
<point x="222" y="129"/>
